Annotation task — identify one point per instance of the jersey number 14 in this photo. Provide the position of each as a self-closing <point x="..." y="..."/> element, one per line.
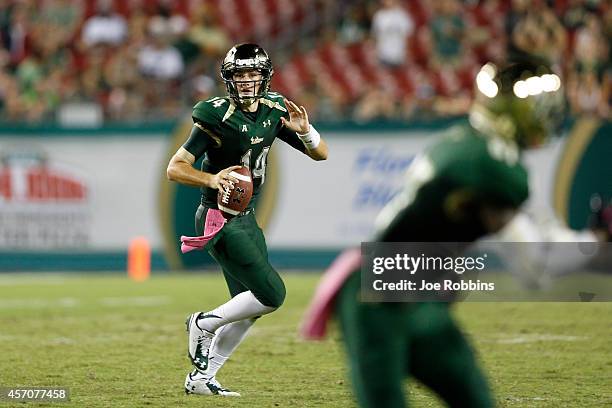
<point x="259" y="170"/>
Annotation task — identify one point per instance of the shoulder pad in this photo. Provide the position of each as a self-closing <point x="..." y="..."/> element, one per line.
<point x="210" y="111"/>
<point x="274" y="100"/>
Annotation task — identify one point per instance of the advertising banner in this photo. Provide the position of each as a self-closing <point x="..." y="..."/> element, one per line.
<point x="335" y="203"/>
<point x="79" y="193"/>
<point x="91" y="193"/>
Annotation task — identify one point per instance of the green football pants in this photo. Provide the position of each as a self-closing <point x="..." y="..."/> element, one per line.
<point x="240" y="249"/>
<point x="388" y="342"/>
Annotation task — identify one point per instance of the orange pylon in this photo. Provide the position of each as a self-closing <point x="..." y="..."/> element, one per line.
<point x="139" y="259"/>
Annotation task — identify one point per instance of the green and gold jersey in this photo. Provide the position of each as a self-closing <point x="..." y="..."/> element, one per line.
<point x="232" y="137"/>
<point x="447" y="185"/>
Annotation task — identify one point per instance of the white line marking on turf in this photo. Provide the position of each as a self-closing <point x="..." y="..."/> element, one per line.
<point x="7" y="337"/>
<point x="532" y="338"/>
<point x="31" y="279"/>
<point x="67" y="302"/>
<point x="518" y="399"/>
<point x="136" y="301"/>
<point x="36" y="303"/>
<point x="60" y="341"/>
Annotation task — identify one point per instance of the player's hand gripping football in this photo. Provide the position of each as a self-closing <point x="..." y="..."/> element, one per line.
<point x="223" y="178"/>
<point x="298" y="118"/>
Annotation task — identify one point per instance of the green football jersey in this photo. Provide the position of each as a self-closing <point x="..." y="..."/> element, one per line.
<point x="234" y="137"/>
<point x="446" y="186"/>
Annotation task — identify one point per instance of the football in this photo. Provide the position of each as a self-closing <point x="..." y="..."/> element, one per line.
<point x="232" y="202"/>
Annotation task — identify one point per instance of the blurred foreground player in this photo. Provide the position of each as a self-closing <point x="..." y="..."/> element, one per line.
<point x="229" y="131"/>
<point x="468" y="184"/>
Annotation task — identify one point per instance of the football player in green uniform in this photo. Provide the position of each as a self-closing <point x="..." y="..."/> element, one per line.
<point x="238" y="129"/>
<point x="469" y="183"/>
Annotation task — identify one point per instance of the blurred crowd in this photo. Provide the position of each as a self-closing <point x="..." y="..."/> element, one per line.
<point x="137" y="60"/>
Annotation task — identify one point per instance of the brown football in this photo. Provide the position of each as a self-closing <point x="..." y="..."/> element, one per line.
<point x="232" y="202"/>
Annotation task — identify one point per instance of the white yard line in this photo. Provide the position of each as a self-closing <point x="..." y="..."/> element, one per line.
<point x="532" y="338"/>
<point x="37" y="303"/>
<point x="68" y="302"/>
<point x="521" y="399"/>
<point x="20" y="279"/>
<point x="135" y="301"/>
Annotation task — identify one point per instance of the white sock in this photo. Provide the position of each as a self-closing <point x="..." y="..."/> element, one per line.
<point x="242" y="306"/>
<point x="225" y="342"/>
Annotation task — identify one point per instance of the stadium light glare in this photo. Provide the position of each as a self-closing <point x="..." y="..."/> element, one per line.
<point x="547" y="83"/>
<point x="534" y="85"/>
<point x="550" y="82"/>
<point x="485" y="83"/>
<point x="490" y="70"/>
<point x="520" y="89"/>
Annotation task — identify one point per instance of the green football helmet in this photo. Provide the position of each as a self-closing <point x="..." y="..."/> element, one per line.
<point x="246" y="57"/>
<point x="521" y="101"/>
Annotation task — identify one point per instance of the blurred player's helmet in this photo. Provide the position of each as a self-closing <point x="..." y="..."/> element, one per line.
<point x="245" y="57"/>
<point x="522" y="101"/>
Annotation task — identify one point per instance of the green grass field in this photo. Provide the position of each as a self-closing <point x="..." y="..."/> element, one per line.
<point x="116" y="343"/>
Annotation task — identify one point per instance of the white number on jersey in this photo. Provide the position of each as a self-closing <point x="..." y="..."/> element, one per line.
<point x="216" y="101"/>
<point x="260" y="163"/>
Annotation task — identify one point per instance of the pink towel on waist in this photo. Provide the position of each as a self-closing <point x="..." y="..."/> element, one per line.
<point x="314" y="325"/>
<point x="213" y="224"/>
